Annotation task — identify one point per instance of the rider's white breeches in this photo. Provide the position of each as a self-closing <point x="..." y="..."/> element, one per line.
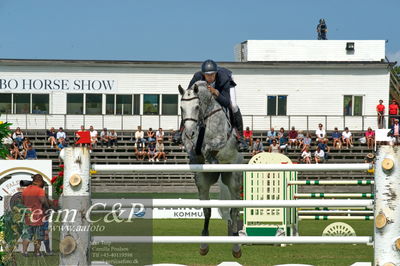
<point x="234" y="105"/>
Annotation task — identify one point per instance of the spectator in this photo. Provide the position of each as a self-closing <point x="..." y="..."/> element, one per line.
<point x="140" y="151"/>
<point x="322" y="29"/>
<point x="306" y="142"/>
<point x="370" y="138"/>
<point x="150" y="135"/>
<point x="347" y="138"/>
<point x="104" y="138"/>
<point x="160" y="134"/>
<point x="52" y="137"/>
<point x="18" y="137"/>
<point x="336" y="137"/>
<point x="369" y="158"/>
<point x="380" y="109"/>
<point x="177" y="138"/>
<point x="393" y="111"/>
<point x="248" y="136"/>
<point x="93" y="137"/>
<point x="26" y="143"/>
<point x="160" y="153"/>
<point x="319" y="155"/>
<point x="34" y="198"/>
<point x="77" y="136"/>
<point x="283" y="140"/>
<point x="139" y="136"/>
<point x="14" y="151"/>
<point x="321" y="134"/>
<point x="323" y="146"/>
<point x="151" y="151"/>
<point x="61" y="134"/>
<point x="61" y="144"/>
<point x="281" y="133"/>
<point x="113" y="136"/>
<point x="271" y="135"/>
<point x="257" y="147"/>
<point x="395" y="131"/>
<point x="300" y="139"/>
<point x="306" y="156"/>
<point x="293" y="134"/>
<point x="30" y="153"/>
<point x="274" y="147"/>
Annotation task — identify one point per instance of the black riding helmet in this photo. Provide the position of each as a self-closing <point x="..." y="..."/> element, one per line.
<point x="209" y="67"/>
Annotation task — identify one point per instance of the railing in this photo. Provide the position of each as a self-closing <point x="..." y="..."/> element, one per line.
<point x="167" y="122"/>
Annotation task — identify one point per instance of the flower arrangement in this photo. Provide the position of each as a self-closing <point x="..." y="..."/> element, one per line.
<point x="57" y="181"/>
<point x="4" y="133"/>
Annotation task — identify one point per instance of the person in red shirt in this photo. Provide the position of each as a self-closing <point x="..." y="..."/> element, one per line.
<point x="34" y="199"/>
<point x="393" y="111"/>
<point x="248" y="136"/>
<point x="380" y="109"/>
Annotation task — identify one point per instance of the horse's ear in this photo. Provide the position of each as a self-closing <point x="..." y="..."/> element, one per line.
<point x="181" y="90"/>
<point x="195" y="88"/>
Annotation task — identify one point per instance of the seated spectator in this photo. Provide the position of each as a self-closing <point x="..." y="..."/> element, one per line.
<point x="150" y="135"/>
<point x="248" y="136"/>
<point x="347" y="138"/>
<point x="293" y="134"/>
<point x="321" y="134"/>
<point x="281" y="132"/>
<point x="61" y="144"/>
<point x="369" y="158"/>
<point x="30" y="153"/>
<point x="160" y="134"/>
<point x="370" y="138"/>
<point x="82" y="137"/>
<point x="18" y="137"/>
<point x="283" y="140"/>
<point x="319" y="155"/>
<point x="61" y="134"/>
<point x="25" y="144"/>
<point x="323" y="146"/>
<point x="160" y="153"/>
<point x="139" y="135"/>
<point x="14" y="151"/>
<point x="104" y="138"/>
<point x="306" y="156"/>
<point x="140" y="151"/>
<point x="151" y="151"/>
<point x="93" y="137"/>
<point x="300" y="139"/>
<point x="306" y="142"/>
<point x="113" y="136"/>
<point x="52" y="137"/>
<point x="274" y="147"/>
<point x="177" y="138"/>
<point x="395" y="131"/>
<point x="336" y="137"/>
<point x="271" y="135"/>
<point x="257" y="147"/>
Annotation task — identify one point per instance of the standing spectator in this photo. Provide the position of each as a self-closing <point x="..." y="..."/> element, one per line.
<point x="321" y="134"/>
<point x="104" y="138"/>
<point x="151" y="151"/>
<point x="322" y="29"/>
<point x="160" y="134"/>
<point x="393" y="111"/>
<point x="61" y="134"/>
<point x="380" y="110"/>
<point x="257" y="147"/>
<point x="248" y="136"/>
<point x="293" y="134"/>
<point x="306" y="156"/>
<point x="18" y="137"/>
<point x="93" y="137"/>
<point x="160" y="153"/>
<point x="319" y="155"/>
<point x="336" y="137"/>
<point x="306" y="142"/>
<point x="30" y="153"/>
<point x="274" y="147"/>
<point x="271" y="135"/>
<point x="113" y="138"/>
<point x="395" y="131"/>
<point x="347" y="138"/>
<point x="370" y="138"/>
<point x="150" y="135"/>
<point x="52" y="137"/>
<point x="139" y="136"/>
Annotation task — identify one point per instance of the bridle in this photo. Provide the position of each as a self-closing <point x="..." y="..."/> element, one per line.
<point x="190" y="99"/>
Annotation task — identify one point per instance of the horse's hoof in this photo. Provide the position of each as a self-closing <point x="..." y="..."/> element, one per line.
<point x="204" y="251"/>
<point x="237" y="254"/>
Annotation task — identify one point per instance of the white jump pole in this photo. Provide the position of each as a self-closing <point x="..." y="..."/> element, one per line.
<point x="387" y="207"/>
<point x="229" y="167"/>
<point x="193" y="203"/>
<point x="234" y="239"/>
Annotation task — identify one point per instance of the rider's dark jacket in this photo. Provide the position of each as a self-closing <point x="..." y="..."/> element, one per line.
<point x="223" y="83"/>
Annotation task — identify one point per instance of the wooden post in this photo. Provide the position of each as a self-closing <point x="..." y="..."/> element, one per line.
<point x="387" y="207"/>
<point x="74" y="242"/>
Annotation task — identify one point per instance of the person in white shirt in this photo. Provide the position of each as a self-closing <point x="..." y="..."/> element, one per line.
<point x="306" y="155"/>
<point x="160" y="134"/>
<point x="321" y="134"/>
<point x="139" y="136"/>
<point x="319" y="155"/>
<point x="347" y="138"/>
<point x="61" y="134"/>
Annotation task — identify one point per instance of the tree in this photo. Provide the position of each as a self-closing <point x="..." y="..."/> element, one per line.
<point x="4" y="132"/>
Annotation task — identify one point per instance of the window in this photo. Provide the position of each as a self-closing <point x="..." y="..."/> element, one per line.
<point x="75" y="104"/>
<point x="277" y="105"/>
<point x="22" y="103"/>
<point x="5" y="103"/>
<point x="170" y="104"/>
<point x="124" y="104"/>
<point x="136" y="104"/>
<point x="352" y="105"/>
<point x="40" y="103"/>
<point x="151" y="103"/>
<point x="110" y="104"/>
<point x="93" y="104"/>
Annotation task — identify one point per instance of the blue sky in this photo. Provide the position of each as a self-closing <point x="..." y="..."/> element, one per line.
<point x="181" y="30"/>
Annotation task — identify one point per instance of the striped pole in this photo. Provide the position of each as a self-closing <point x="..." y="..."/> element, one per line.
<point x="332" y="182"/>
<point x="333" y="195"/>
<point x="325" y="217"/>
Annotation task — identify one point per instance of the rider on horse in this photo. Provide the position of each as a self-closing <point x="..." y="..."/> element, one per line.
<point x="221" y="85"/>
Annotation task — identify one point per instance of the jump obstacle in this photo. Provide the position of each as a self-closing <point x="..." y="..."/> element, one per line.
<point x="387" y="210"/>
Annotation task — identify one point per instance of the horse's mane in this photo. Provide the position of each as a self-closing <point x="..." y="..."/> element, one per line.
<point x="204" y="94"/>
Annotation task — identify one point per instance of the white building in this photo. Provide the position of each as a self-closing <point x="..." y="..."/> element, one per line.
<point x="280" y="84"/>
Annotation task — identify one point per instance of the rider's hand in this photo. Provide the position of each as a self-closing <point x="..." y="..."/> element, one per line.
<point x="213" y="91"/>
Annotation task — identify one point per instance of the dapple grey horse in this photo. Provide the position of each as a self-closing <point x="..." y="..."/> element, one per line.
<point x="199" y="109"/>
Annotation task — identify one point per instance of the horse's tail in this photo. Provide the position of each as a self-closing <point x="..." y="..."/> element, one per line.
<point x="224" y="195"/>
